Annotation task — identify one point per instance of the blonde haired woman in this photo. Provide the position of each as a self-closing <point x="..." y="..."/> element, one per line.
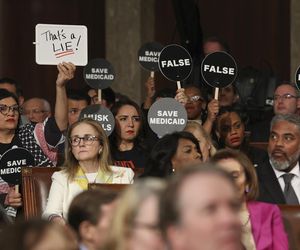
<point x="135" y="222"/>
<point x="87" y="160"/>
<point x="205" y="143"/>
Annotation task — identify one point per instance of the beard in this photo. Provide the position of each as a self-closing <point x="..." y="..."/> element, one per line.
<point x="283" y="165"/>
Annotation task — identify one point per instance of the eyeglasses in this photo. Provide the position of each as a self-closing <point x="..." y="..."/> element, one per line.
<point x="87" y="140"/>
<point x="284" y="97"/>
<point x="195" y="98"/>
<point x="4" y="109"/>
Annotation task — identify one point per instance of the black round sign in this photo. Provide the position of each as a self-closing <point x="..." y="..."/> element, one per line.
<point x="99" y="73"/>
<point x="175" y="62"/>
<point x="11" y="163"/>
<point x="298" y="78"/>
<point x="100" y="114"/>
<point x="219" y="69"/>
<point x="148" y="56"/>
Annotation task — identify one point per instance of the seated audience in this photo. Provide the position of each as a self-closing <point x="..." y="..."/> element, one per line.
<point x="37" y="235"/>
<point x="128" y="142"/>
<point x="90" y="215"/>
<point x="135" y="221"/>
<point x="199" y="210"/>
<point x="171" y="153"/>
<point x="87" y="160"/>
<point x="205" y="143"/>
<point x="279" y="174"/>
<point x="36" y="109"/>
<point x="28" y="137"/>
<point x="256" y="217"/>
<point x="230" y="130"/>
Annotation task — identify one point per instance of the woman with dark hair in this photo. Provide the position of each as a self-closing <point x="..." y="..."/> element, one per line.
<point x="171" y="153"/>
<point x="262" y="223"/>
<point x="230" y="131"/>
<point x="128" y="141"/>
<point x="28" y="136"/>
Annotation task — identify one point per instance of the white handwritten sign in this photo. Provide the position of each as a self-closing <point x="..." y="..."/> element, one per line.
<point x="58" y="43"/>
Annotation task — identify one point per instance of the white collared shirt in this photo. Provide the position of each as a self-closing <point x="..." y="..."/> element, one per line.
<point x="295" y="181"/>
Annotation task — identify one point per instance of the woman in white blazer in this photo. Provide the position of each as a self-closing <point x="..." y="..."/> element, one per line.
<point x="87" y="160"/>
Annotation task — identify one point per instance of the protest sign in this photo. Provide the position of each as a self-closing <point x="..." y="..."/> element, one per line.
<point x="219" y="70"/>
<point x="11" y="163"/>
<point x="99" y="73"/>
<point x="298" y="78"/>
<point x="100" y="114"/>
<point x="148" y="56"/>
<point x="60" y="43"/>
<point x="175" y="63"/>
<point x="167" y="115"/>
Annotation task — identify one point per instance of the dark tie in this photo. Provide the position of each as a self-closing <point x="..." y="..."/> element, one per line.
<point x="289" y="192"/>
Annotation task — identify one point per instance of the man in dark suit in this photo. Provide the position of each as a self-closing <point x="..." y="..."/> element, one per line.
<point x="279" y="175"/>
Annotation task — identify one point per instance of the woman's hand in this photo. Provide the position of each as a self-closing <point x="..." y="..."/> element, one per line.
<point x="13" y="198"/>
<point x="181" y="96"/>
<point x="213" y="110"/>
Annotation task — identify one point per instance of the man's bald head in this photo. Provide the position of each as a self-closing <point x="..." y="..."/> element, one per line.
<point x="36" y="109"/>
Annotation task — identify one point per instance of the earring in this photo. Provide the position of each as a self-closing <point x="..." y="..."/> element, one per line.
<point x="100" y="151"/>
<point x="247" y="189"/>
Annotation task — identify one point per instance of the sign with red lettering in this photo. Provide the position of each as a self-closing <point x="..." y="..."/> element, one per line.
<point x="60" y="43"/>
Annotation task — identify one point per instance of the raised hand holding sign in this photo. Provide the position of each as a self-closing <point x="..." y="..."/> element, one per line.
<point x="219" y="70"/>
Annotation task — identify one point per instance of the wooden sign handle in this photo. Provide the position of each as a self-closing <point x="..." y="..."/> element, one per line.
<point x="216" y="93"/>
<point x="17" y="189"/>
<point x="152" y="74"/>
<point x="178" y="85"/>
<point x="99" y="95"/>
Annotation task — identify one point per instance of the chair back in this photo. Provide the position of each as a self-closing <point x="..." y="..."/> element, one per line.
<point x="36" y="183"/>
<point x="291" y="220"/>
<point x="259" y="145"/>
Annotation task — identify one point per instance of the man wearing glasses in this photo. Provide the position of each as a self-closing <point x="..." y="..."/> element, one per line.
<point x="286" y="101"/>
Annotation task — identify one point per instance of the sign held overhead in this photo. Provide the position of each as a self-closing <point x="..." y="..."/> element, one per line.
<point x="57" y="43"/>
